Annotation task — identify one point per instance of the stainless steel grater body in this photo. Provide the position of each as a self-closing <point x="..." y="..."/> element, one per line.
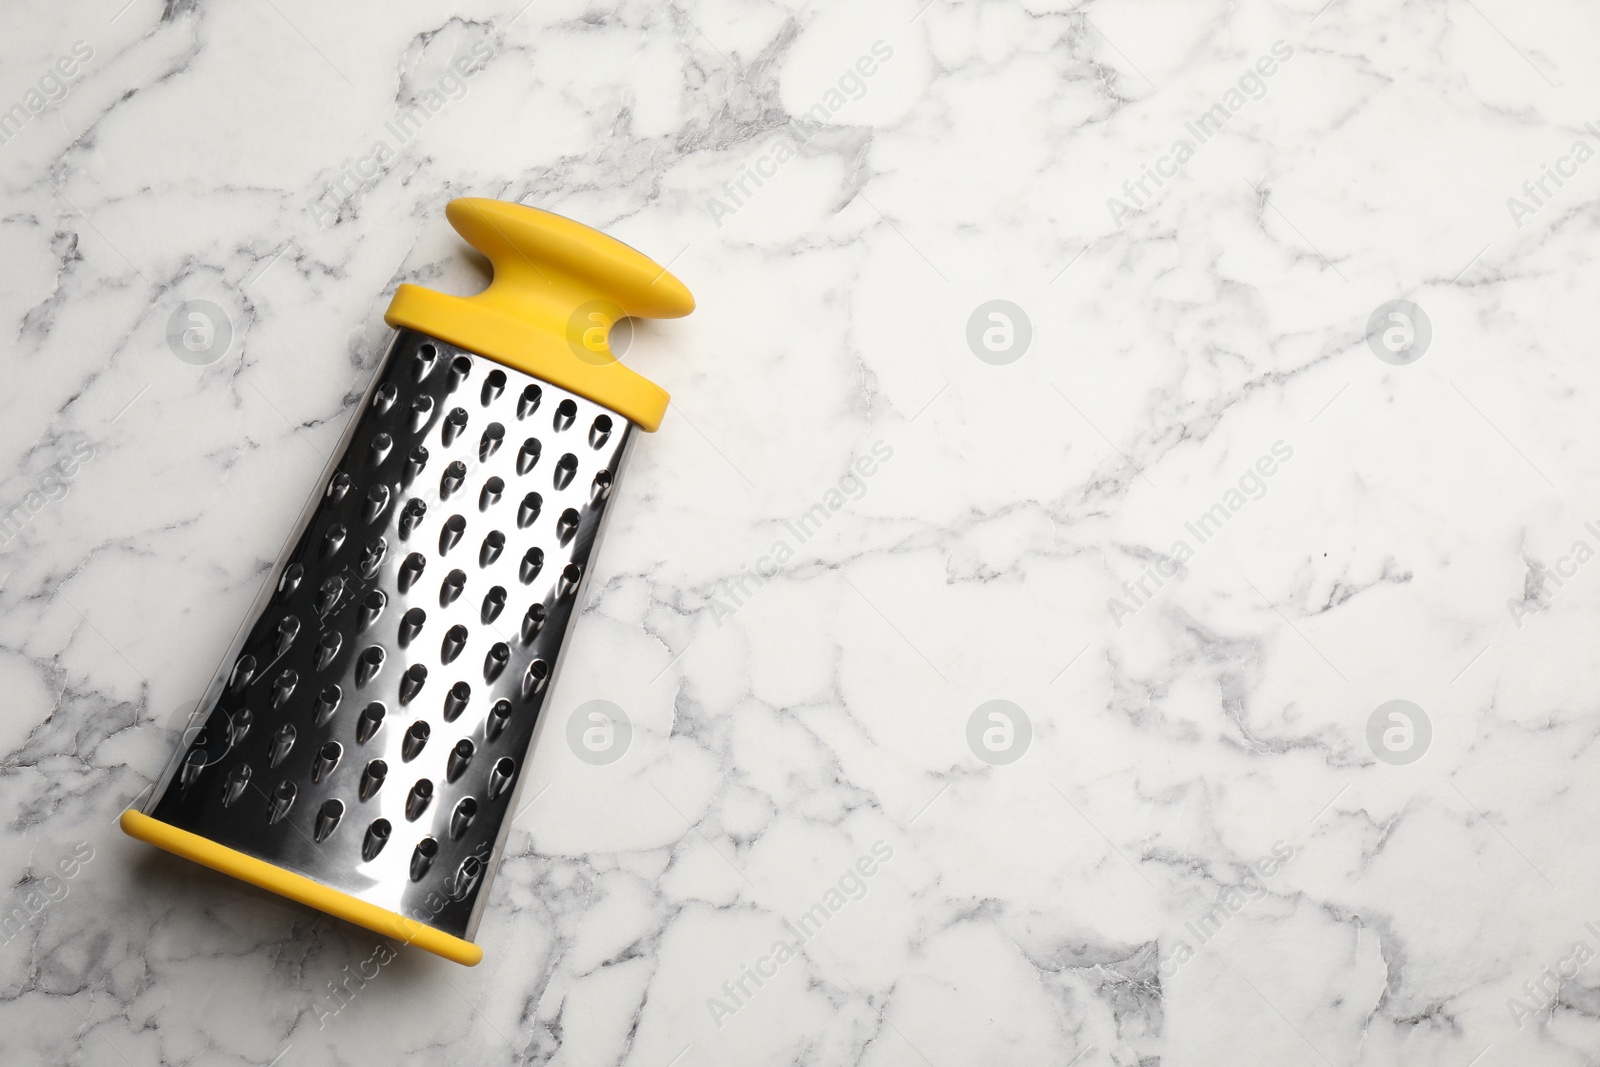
<point x="362" y="747"/>
<point x="373" y="731"/>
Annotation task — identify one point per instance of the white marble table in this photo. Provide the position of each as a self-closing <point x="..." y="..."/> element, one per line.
<point x="1178" y="507"/>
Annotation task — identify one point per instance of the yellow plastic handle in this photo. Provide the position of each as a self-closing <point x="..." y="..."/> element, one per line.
<point x="558" y="288"/>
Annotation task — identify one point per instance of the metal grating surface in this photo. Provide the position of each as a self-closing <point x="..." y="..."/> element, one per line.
<point x="372" y="731"/>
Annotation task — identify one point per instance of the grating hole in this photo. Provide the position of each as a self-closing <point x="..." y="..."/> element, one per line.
<point x="489" y="443"/>
<point x="566" y="413"/>
<point x="377" y="836"/>
<point x="493" y="386"/>
<point x="490" y="496"/>
<point x="422" y="857"/>
<point x="566" y="467"/>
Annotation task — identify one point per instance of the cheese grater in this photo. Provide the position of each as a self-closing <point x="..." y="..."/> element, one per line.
<point x="362" y="746"/>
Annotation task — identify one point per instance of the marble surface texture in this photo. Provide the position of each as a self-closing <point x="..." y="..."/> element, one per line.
<point x="1193" y="507"/>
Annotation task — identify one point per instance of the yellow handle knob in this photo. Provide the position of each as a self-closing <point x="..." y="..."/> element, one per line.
<point x="557" y="290"/>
